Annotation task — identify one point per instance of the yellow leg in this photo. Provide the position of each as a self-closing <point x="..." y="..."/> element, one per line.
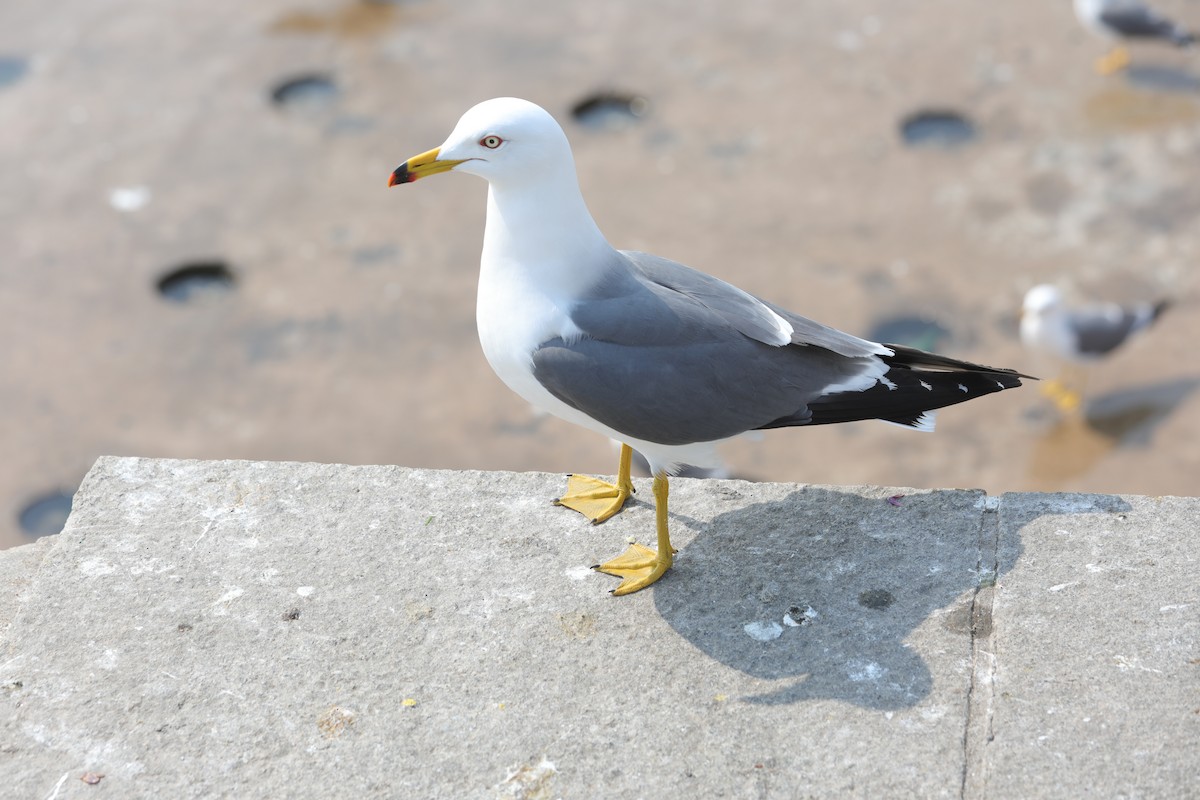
<point x="596" y="499"/>
<point x="1114" y="62"/>
<point x="1067" y="390"/>
<point x="639" y="566"/>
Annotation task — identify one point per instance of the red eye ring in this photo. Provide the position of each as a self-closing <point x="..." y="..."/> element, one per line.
<point x="491" y="141"/>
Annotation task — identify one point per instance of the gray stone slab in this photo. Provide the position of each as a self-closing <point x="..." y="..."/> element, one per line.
<point x="284" y="629"/>
<point x="1097" y="641"/>
<point x="267" y="630"/>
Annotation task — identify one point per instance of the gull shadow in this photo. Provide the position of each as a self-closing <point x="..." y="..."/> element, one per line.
<point x="1160" y="78"/>
<point x="1129" y="416"/>
<point x="857" y="573"/>
<point x="822" y="591"/>
<point x="1138" y="107"/>
<point x="1075" y="444"/>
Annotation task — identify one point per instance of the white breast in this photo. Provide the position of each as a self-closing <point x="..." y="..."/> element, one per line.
<point x="1049" y="333"/>
<point x="514" y="318"/>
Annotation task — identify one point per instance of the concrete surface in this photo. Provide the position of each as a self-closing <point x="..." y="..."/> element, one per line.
<point x="249" y="629"/>
<point x="138" y="135"/>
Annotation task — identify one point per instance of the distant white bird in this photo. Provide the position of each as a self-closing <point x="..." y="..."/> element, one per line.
<point x="1118" y="20"/>
<point x="1078" y="336"/>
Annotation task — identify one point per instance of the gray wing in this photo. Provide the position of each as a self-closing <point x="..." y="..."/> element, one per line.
<point x="670" y="355"/>
<point x="1099" y="331"/>
<point x="745" y="311"/>
<point x="1140" y="22"/>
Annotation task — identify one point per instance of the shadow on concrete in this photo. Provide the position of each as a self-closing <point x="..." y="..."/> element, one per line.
<point x="858" y="573"/>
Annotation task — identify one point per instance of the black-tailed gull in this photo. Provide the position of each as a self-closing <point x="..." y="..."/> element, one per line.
<point x="646" y="351"/>
<point x="1118" y="20"/>
<point x="1078" y="336"/>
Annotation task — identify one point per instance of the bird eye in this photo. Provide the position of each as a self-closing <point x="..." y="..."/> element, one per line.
<point x="491" y="142"/>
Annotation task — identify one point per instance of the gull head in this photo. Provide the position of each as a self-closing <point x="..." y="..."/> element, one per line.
<point x="1040" y="300"/>
<point x="504" y="140"/>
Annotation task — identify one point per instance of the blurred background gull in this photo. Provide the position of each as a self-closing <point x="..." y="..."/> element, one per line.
<point x="201" y="258"/>
<point x="1074" y="337"/>
<point x="1122" y="21"/>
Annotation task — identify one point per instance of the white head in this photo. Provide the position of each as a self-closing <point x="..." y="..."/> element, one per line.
<point x="1042" y="299"/>
<point x="503" y="140"/>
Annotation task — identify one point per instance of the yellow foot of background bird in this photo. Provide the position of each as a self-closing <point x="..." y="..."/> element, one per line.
<point x="638" y="567"/>
<point x="595" y="499"/>
<point x="1067" y="399"/>
<point x="1114" y="62"/>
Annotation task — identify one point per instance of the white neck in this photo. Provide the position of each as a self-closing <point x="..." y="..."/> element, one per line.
<point x="541" y="229"/>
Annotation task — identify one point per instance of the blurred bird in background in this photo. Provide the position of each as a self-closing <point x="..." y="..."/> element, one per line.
<point x="1121" y="20"/>
<point x="1079" y="336"/>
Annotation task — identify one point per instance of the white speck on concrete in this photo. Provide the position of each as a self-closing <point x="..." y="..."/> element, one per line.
<point x="152" y="566"/>
<point x="221" y="607"/>
<point x="1126" y="664"/>
<point x="1059" y="587"/>
<point x="578" y="573"/>
<point x="305" y="591"/>
<point x="864" y="671"/>
<point x="801" y="617"/>
<point x="933" y="714"/>
<point x="109" y="660"/>
<point x="232" y="594"/>
<point x="54" y="792"/>
<point x="95" y="567"/>
<point x="1177" y="607"/>
<point x="528" y="781"/>
<point x="763" y="631"/>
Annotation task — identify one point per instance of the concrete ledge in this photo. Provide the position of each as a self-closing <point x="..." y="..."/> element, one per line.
<point x="255" y="629"/>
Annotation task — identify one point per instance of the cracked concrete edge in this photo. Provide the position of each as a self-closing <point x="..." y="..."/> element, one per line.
<point x="999" y="544"/>
<point x="978" y="728"/>
<point x="18" y="568"/>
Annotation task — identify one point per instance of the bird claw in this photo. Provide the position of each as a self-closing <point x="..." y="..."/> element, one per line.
<point x="596" y="499"/>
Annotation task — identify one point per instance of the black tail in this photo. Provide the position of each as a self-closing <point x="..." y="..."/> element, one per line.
<point x="1159" y="308"/>
<point x="915" y="383"/>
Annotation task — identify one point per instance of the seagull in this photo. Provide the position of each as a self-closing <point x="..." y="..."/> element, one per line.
<point x="1127" y="19"/>
<point x="1078" y="336"/>
<point x="665" y="359"/>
